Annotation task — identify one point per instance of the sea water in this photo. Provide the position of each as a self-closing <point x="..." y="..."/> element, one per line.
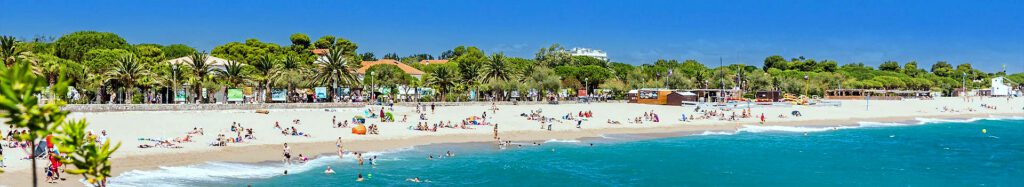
<point x="927" y="152"/>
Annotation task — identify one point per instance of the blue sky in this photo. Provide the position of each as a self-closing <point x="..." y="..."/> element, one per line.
<point x="985" y="33"/>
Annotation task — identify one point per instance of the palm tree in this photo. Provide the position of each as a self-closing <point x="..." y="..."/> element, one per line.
<point x="127" y="71"/>
<point x="290" y="73"/>
<point x="497" y="68"/>
<point x="9" y="50"/>
<point x="444" y="78"/>
<point x="233" y="74"/>
<point x="265" y="67"/>
<point x="335" y="70"/>
<point x="201" y="70"/>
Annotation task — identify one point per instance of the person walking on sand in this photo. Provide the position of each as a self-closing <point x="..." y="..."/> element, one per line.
<point x="495" y="131"/>
<point x="762" y="118"/>
<point x="287" y="154"/>
<point x="431" y="108"/>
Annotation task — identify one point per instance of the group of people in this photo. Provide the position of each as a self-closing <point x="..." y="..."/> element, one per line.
<point x="648" y="116"/>
<point x="291" y="131"/>
<point x="579" y="115"/>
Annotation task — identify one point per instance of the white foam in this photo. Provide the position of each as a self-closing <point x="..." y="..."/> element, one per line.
<point x="992" y="118"/>
<point x="561" y="141"/>
<point x="219" y="171"/>
<point x="710" y="133"/>
<point x="760" y="129"/>
<point x="880" y="124"/>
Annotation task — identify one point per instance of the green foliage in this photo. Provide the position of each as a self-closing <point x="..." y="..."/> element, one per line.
<point x="348" y="48"/>
<point x="249" y="51"/>
<point x="177" y="51"/>
<point x="22" y="109"/>
<point x="74" y="46"/>
<point x="149" y="54"/>
<point x="9" y="50"/>
<point x="100" y="60"/>
<point x="91" y="160"/>
<point x="553" y="56"/>
<point x="386" y="75"/>
<point x="890" y="66"/>
<point x="299" y="40"/>
<point x="443" y="78"/>
<point x="586" y="60"/>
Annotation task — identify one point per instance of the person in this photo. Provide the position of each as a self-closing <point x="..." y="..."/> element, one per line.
<point x="579" y="123"/>
<point x="431" y="108"/>
<point x="329" y="170"/>
<point x="495" y="131"/>
<point x="414" y="179"/>
<point x="2" y="165"/>
<point x="287" y="154"/>
<point x="762" y="118"/>
<point x="103" y="137"/>
<point x="359" y="178"/>
<point x="303" y="158"/>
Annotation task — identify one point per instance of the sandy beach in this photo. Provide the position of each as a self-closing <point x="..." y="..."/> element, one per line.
<point x="131" y="127"/>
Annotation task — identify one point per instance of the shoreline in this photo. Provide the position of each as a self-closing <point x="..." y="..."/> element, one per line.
<point x="318" y="148"/>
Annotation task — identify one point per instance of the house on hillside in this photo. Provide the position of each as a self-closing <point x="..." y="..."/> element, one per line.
<point x="1000" y="88"/>
<point x="405" y="68"/>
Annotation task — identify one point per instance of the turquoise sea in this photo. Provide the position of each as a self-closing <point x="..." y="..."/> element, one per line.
<point x="926" y="152"/>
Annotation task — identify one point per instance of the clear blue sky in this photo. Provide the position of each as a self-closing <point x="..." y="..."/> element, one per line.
<point x="985" y="33"/>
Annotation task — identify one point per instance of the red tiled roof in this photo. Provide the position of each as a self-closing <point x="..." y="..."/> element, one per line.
<point x="406" y="68"/>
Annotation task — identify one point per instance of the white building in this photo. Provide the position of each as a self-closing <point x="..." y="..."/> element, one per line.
<point x="598" y="54"/>
<point x="999" y="88"/>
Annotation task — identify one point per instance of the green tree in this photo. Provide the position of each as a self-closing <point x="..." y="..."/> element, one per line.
<point x="202" y="67"/>
<point x="775" y="61"/>
<point x="127" y="71"/>
<point x="177" y="51"/>
<point x="890" y="66"/>
<point x="553" y="56"/>
<point x="335" y="70"/>
<point x="444" y="78"/>
<point x="23" y="109"/>
<point x="942" y="69"/>
<point x="586" y="60"/>
<point x="299" y="40"/>
<point x="9" y="50"/>
<point x="386" y="76"/>
<point x="249" y="51"/>
<point x="497" y="68"/>
<point x="266" y="68"/>
<point x="74" y="46"/>
<point x="234" y="74"/>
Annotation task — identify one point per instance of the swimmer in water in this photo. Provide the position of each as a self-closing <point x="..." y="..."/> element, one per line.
<point x="359" y="178"/>
<point x="329" y="170"/>
<point x="414" y="179"/>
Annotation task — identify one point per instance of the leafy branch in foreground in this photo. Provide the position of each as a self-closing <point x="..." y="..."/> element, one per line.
<point x="20" y="106"/>
<point x="91" y="159"/>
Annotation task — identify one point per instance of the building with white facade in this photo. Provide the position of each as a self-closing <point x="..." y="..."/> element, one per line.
<point x="598" y="54"/>
<point x="999" y="88"/>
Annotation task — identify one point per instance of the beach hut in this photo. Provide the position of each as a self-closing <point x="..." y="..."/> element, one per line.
<point x="768" y="96"/>
<point x="677" y="98"/>
<point x="653" y="96"/>
<point x="631" y="96"/>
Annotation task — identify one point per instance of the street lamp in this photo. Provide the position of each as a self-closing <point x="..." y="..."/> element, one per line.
<point x="586" y="87"/>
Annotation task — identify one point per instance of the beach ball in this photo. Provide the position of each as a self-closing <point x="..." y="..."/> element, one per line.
<point x="359" y="129"/>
